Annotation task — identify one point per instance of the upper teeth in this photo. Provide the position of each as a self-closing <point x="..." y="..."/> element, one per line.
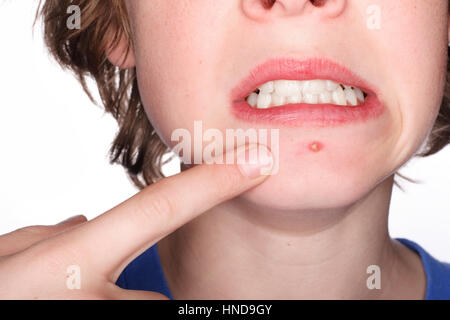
<point x="281" y="92"/>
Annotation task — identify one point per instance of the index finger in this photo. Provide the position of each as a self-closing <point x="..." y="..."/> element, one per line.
<point x="158" y="210"/>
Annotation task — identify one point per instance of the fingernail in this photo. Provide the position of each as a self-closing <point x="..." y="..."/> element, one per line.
<point x="74" y="218"/>
<point x="254" y="161"/>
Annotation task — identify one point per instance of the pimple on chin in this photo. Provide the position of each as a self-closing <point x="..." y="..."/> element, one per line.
<point x="306" y="147"/>
<point x="315" y="146"/>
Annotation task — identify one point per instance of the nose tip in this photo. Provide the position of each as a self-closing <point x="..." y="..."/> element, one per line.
<point x="265" y="9"/>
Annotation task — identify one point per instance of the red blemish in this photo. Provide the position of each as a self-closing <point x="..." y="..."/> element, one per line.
<point x="315" y="146"/>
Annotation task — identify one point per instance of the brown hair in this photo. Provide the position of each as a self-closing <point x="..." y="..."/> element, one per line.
<point x="136" y="146"/>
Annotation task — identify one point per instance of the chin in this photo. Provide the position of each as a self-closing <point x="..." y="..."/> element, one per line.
<point x="318" y="182"/>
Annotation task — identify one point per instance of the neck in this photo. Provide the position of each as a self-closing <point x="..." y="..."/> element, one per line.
<point x="238" y="251"/>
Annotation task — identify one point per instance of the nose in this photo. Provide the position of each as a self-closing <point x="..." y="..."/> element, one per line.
<point x="266" y="9"/>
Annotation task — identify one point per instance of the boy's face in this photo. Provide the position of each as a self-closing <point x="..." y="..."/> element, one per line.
<point x="191" y="55"/>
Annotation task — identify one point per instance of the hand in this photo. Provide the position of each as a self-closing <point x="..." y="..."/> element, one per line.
<point x="34" y="260"/>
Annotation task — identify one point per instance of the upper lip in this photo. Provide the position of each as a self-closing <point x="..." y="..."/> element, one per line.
<point x="294" y="69"/>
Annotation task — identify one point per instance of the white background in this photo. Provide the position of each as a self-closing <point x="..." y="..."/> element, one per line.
<point x="54" y="148"/>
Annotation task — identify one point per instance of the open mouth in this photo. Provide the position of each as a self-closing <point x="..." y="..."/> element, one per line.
<point x="284" y="92"/>
<point x="295" y="92"/>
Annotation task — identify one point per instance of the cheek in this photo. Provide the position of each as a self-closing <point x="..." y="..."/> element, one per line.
<point x="413" y="44"/>
<point x="184" y="56"/>
<point x="177" y="81"/>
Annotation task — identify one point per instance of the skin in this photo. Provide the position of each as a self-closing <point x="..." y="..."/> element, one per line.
<point x="34" y="260"/>
<point x="311" y="230"/>
<point x="295" y="235"/>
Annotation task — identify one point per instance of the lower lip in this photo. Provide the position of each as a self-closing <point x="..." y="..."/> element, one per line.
<point x="310" y="114"/>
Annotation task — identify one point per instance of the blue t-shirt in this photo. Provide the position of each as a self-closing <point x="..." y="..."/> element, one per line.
<point x="145" y="273"/>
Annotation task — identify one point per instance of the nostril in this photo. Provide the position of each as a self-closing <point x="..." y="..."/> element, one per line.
<point x="318" y="3"/>
<point x="268" y="3"/>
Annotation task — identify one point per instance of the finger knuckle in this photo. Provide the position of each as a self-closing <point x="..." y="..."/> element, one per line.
<point x="160" y="205"/>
